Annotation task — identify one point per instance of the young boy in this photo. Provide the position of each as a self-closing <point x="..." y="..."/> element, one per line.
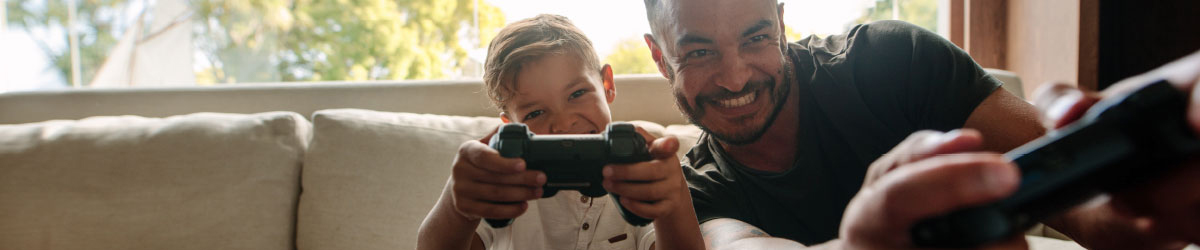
<point x="543" y="72"/>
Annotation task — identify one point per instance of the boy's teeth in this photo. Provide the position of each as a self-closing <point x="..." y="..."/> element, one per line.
<point x="738" y="101"/>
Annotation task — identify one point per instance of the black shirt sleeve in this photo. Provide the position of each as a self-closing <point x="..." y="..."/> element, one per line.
<point x="711" y="197"/>
<point x="933" y="83"/>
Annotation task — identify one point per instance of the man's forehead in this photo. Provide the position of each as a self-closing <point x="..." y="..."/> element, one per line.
<point x="705" y="17"/>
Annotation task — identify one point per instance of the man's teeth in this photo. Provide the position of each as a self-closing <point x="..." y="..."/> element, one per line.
<point x="739" y="101"/>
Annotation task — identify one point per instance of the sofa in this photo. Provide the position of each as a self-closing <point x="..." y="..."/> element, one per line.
<point x="261" y="166"/>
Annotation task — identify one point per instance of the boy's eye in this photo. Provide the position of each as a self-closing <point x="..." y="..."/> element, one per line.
<point x="533" y="114"/>
<point x="576" y="94"/>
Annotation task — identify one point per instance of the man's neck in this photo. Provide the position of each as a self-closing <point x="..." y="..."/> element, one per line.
<point x="775" y="151"/>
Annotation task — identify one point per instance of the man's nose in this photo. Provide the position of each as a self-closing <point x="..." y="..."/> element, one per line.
<point x="734" y="73"/>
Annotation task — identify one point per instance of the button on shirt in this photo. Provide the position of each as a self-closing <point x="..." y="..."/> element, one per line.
<point x="569" y="220"/>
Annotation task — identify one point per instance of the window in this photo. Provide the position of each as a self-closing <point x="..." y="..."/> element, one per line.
<point x="212" y="42"/>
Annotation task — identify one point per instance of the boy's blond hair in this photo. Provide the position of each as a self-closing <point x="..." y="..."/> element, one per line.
<point x="526" y="41"/>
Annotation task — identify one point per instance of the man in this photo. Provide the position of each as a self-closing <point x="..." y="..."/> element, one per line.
<point x="792" y="128"/>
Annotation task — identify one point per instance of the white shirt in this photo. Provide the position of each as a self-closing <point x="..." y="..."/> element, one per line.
<point x="568" y="220"/>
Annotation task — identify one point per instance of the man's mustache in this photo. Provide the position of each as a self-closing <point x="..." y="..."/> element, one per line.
<point x="722" y="94"/>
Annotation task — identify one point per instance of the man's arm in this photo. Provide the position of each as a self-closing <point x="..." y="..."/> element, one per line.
<point x="725" y="233"/>
<point x="1005" y="121"/>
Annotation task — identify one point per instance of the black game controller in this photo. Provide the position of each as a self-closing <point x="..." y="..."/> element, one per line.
<point x="573" y="162"/>
<point x="1120" y="141"/>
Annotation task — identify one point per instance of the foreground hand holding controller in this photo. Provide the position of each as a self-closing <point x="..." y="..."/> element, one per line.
<point x="1120" y="141"/>
<point x="573" y="162"/>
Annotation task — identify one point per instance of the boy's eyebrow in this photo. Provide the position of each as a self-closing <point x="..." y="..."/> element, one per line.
<point x="576" y="82"/>
<point x="526" y="106"/>
<point x="762" y="24"/>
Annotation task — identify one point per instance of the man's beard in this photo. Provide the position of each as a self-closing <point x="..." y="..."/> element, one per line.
<point x="778" y="93"/>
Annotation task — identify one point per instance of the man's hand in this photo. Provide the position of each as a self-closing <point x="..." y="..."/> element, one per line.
<point x="485" y="185"/>
<point x="921" y="145"/>
<point x="926" y="175"/>
<point x="1165" y="208"/>
<point x="654" y="188"/>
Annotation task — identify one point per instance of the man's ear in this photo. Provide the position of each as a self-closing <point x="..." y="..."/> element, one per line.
<point x="656" y="54"/>
<point x="610" y="88"/>
<point x="782" y="29"/>
<point x="504" y="117"/>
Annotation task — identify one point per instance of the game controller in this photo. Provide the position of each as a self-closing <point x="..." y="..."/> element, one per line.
<point x="573" y="162"/>
<point x="1120" y="141"/>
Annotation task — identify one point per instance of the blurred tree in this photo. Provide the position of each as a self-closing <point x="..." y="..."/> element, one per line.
<point x="631" y="57"/>
<point x="340" y="40"/>
<point x="99" y="21"/>
<point x="923" y="13"/>
<point x="792" y="35"/>
<point x="291" y="40"/>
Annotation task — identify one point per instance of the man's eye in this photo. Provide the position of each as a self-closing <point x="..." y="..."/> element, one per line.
<point x="699" y="53"/>
<point x="576" y="94"/>
<point x="533" y="114"/>
<point x="758" y="38"/>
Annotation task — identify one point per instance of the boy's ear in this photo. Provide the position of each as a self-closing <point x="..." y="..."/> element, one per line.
<point x="504" y="117"/>
<point x="656" y="53"/>
<point x="610" y="87"/>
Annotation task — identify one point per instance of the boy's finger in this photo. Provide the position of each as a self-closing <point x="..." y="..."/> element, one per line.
<point x="645" y="135"/>
<point x="642" y="191"/>
<point x="497" y="193"/>
<point x="647" y="210"/>
<point x="528" y="178"/>
<point x="483" y="157"/>
<point x="663" y="148"/>
<point x="492" y="210"/>
<point x="642" y="171"/>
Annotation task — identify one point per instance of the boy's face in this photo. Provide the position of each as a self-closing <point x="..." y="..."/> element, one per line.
<point x="556" y="94"/>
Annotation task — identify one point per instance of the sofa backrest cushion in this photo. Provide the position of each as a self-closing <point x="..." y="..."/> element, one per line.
<point x="371" y="177"/>
<point x="199" y="181"/>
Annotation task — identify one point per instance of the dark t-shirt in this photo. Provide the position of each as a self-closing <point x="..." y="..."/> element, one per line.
<point x="860" y="94"/>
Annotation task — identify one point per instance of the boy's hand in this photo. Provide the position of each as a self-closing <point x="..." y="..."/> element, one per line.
<point x="484" y="184"/>
<point x="651" y="189"/>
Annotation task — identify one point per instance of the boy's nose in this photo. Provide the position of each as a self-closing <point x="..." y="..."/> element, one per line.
<point x="568" y="125"/>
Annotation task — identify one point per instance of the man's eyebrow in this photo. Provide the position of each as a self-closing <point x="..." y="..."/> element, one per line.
<point x="689" y="38"/>
<point x="762" y="24"/>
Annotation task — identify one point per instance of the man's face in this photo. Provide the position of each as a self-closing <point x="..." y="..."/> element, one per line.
<point x="725" y="60"/>
<point x="556" y="94"/>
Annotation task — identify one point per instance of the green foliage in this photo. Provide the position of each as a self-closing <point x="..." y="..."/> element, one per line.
<point x="292" y="40"/>
<point x="94" y="40"/>
<point x="920" y="12"/>
<point x="631" y="57"/>
<point x="318" y="40"/>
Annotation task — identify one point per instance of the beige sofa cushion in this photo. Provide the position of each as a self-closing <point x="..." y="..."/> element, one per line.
<point x="199" y="181"/>
<point x="370" y="177"/>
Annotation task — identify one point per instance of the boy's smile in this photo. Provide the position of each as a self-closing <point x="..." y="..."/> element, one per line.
<point x="556" y="94"/>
